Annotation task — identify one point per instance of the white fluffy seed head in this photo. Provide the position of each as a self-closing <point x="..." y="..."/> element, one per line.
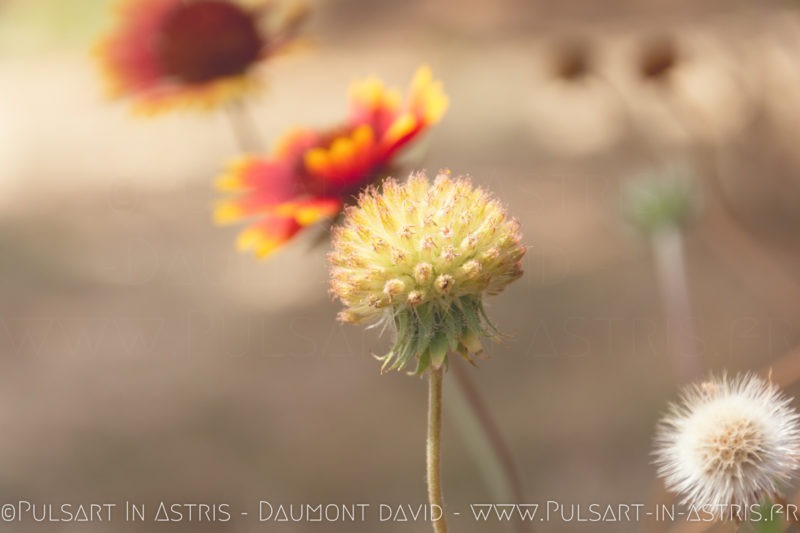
<point x="729" y="444"/>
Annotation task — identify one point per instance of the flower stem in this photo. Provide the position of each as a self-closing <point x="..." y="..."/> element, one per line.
<point x="484" y="440"/>
<point x="244" y="130"/>
<point x="434" y="452"/>
<point x="671" y="271"/>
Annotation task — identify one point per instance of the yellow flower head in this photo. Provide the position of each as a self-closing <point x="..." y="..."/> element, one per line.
<point x="423" y="255"/>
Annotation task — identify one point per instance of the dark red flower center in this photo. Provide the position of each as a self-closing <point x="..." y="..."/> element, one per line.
<point x="207" y="39"/>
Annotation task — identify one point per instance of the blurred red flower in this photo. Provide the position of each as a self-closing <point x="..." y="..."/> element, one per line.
<point x="312" y="174"/>
<point x="197" y="53"/>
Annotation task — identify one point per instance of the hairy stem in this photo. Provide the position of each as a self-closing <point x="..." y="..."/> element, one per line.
<point x="434" y="451"/>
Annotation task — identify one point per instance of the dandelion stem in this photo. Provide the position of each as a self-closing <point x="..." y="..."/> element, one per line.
<point x="243" y="128"/>
<point x="671" y="272"/>
<point x="434" y="449"/>
<point x="485" y="440"/>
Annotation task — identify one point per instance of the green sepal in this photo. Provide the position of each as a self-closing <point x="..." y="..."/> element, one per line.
<point x="438" y="350"/>
<point x="429" y="332"/>
<point x="423" y="363"/>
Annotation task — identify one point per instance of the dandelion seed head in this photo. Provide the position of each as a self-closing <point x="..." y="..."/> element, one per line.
<point x="729" y="442"/>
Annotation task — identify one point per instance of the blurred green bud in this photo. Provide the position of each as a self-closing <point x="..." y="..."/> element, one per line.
<point x="661" y="199"/>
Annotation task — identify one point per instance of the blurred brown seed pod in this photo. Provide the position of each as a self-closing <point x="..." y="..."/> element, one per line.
<point x="571" y="61"/>
<point x="657" y="59"/>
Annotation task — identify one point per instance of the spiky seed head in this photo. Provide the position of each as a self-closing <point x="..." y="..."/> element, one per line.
<point x="394" y="287"/>
<point x="444" y="283"/>
<point x="729" y="445"/>
<point x="472" y="268"/>
<point x="423" y="273"/>
<point x="443" y="245"/>
<point x="415" y="298"/>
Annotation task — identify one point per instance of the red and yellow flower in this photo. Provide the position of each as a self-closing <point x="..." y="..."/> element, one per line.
<point x="312" y="174"/>
<point x="192" y="53"/>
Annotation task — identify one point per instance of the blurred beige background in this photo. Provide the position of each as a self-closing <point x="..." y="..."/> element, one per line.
<point x="143" y="359"/>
